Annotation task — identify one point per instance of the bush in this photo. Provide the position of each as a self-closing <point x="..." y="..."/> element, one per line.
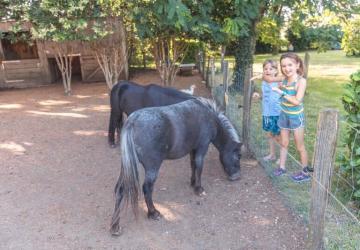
<point x="192" y="51"/>
<point x="351" y="39"/>
<point x="350" y="162"/>
<point x="321" y="38"/>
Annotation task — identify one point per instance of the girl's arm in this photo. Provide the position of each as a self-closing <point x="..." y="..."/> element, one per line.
<point x="296" y="100"/>
<point x="273" y="78"/>
<point x="256" y="77"/>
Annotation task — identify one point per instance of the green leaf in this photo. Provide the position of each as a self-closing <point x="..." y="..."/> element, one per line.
<point x="171" y="9"/>
<point x="357" y="193"/>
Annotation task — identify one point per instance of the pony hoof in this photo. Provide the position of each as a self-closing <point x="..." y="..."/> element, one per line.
<point x="234" y="177"/>
<point x="116" y="232"/>
<point x="200" y="191"/>
<point x="154" y="215"/>
<point x="112" y="145"/>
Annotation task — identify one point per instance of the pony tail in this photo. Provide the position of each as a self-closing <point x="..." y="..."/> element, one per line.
<point x="129" y="176"/>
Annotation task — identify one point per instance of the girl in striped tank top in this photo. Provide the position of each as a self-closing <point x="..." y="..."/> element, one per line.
<point x="292" y="91"/>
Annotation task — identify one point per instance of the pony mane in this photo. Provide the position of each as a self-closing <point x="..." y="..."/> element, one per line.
<point x="210" y="103"/>
<point x="225" y="122"/>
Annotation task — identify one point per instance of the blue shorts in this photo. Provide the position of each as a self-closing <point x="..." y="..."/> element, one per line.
<point x="270" y="124"/>
<point x="291" y="122"/>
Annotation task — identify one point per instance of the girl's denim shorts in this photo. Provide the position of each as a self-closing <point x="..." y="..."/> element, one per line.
<point x="270" y="124"/>
<point x="291" y="122"/>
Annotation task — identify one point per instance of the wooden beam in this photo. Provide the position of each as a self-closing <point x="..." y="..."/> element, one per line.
<point x="44" y="61"/>
<point x="323" y="164"/>
<point x="2" y="58"/>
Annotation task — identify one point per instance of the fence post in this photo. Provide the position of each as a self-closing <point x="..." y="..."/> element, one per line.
<point x="225" y="83"/>
<point x="247" y="111"/>
<point x="199" y="62"/>
<point x="212" y="65"/>
<point x="223" y="50"/>
<point x="225" y="76"/>
<point x="306" y="64"/>
<point x="207" y="77"/>
<point x="323" y="163"/>
<point x="204" y="66"/>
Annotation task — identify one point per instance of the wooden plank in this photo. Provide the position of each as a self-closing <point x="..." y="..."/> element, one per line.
<point x="92" y="74"/>
<point x="2" y="74"/>
<point x="24" y="61"/>
<point x="23" y="71"/>
<point x="2" y="55"/>
<point x="90" y="67"/>
<point x="323" y="164"/>
<point x="306" y="65"/>
<point x="23" y="64"/>
<point x="212" y="65"/>
<point x="225" y="76"/>
<point x="247" y="112"/>
<point x="6" y="26"/>
<point x="23" y="76"/>
<point x="44" y="62"/>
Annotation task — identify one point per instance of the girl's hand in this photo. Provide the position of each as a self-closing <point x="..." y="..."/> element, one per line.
<point x="276" y="89"/>
<point x="255" y="77"/>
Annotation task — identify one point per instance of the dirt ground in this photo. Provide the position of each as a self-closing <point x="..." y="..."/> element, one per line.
<point x="57" y="175"/>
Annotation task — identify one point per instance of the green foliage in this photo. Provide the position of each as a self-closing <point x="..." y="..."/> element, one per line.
<point x="351" y="160"/>
<point x="161" y="18"/>
<point x="14" y="10"/>
<point x="62" y="20"/>
<point x="192" y="50"/>
<point x="321" y="38"/>
<point x="164" y="18"/>
<point x="351" y="39"/>
<point x="269" y="33"/>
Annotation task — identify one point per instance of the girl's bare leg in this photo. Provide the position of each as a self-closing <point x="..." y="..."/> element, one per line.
<point x="272" y="153"/>
<point x="300" y="145"/>
<point x="284" y="135"/>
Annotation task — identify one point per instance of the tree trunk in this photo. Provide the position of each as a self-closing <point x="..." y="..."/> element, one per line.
<point x="167" y="52"/>
<point x="143" y="53"/>
<point x="63" y="59"/>
<point x="112" y="55"/>
<point x="245" y="49"/>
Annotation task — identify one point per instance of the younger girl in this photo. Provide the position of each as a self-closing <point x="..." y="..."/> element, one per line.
<point x="292" y="91"/>
<point x="270" y="108"/>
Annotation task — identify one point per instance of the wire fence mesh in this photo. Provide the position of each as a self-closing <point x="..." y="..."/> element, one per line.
<point x="342" y="225"/>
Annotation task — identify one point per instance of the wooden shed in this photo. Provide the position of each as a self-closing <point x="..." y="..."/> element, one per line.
<point x="27" y="65"/>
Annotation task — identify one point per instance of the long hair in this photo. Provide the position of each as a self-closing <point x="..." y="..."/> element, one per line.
<point x="297" y="59"/>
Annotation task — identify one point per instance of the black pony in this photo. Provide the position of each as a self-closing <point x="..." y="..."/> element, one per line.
<point x="151" y="135"/>
<point x="127" y="97"/>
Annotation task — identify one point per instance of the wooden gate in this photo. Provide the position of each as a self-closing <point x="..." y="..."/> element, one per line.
<point x="90" y="69"/>
<point x="19" y="73"/>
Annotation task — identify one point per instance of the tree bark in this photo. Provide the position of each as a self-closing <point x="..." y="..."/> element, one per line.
<point x="63" y="56"/>
<point x="244" y="52"/>
<point x="112" y="54"/>
<point x="167" y="52"/>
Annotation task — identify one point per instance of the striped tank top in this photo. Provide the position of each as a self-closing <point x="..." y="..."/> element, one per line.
<point x="286" y="106"/>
